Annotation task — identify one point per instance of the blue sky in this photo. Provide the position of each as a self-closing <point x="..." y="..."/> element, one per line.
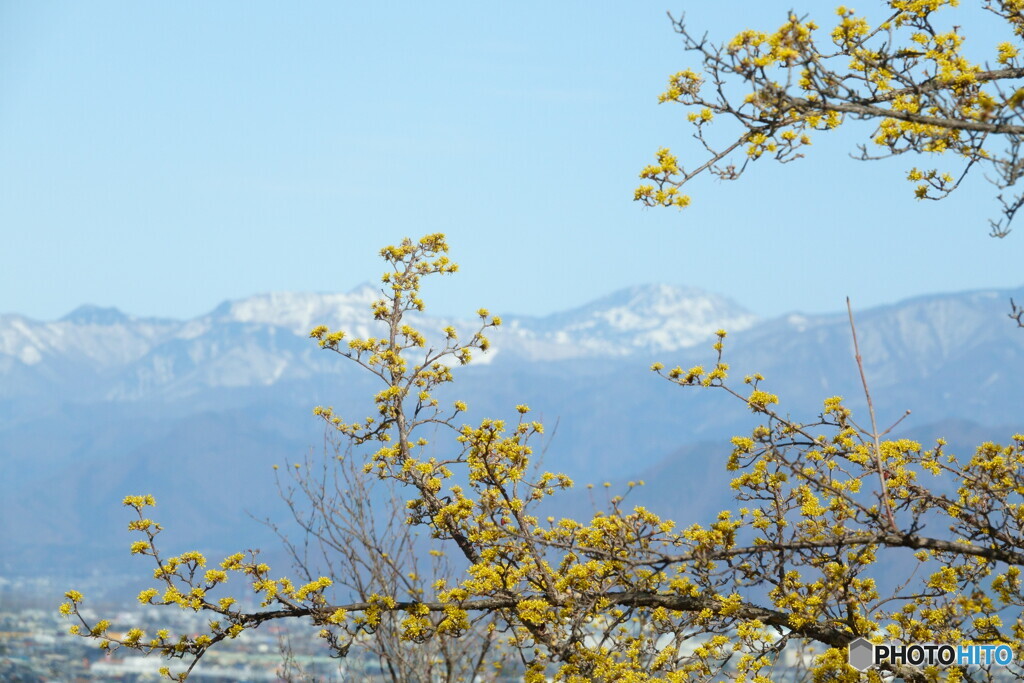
<point x="164" y="157"/>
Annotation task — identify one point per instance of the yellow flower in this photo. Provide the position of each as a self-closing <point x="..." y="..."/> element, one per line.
<point x="760" y="400"/>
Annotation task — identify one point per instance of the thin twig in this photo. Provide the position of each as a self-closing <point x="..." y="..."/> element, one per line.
<point x="1017" y="313"/>
<point x="874" y="424"/>
<point x="894" y="424"/>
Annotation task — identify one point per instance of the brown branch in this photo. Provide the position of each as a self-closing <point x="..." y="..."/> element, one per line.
<point x="892" y="540"/>
<point x="832" y="636"/>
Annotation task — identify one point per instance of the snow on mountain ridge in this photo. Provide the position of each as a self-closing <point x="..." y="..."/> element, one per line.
<point x="646" y="317"/>
<point x="656" y="317"/>
<point x="154" y="353"/>
<point x="263" y="340"/>
<point x="301" y="311"/>
<point x="102" y="337"/>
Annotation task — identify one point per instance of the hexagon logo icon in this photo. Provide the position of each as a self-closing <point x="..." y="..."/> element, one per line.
<point x="861" y="654"/>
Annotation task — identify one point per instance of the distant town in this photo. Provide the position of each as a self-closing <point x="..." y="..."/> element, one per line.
<point x="35" y="645"/>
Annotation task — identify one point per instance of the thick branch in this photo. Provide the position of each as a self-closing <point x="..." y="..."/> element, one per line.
<point x="827" y="635"/>
<point x="936" y="83"/>
<point x="867" y="110"/>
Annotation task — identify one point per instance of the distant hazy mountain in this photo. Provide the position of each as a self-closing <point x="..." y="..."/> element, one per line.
<point x="100" y="404"/>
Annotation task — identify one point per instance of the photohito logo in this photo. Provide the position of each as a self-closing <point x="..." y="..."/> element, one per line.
<point x="864" y="654"/>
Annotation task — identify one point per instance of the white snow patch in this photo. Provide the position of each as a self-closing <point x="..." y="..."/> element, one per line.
<point x="30" y="355"/>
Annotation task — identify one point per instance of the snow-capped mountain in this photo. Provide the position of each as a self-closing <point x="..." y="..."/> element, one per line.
<point x="263" y="339"/>
<point x="657" y="318"/>
<point x="101" y="354"/>
<point x="300" y="312"/>
<point x="101" y="337"/>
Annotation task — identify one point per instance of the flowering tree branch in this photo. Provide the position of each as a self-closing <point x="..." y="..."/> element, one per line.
<point x="904" y="74"/>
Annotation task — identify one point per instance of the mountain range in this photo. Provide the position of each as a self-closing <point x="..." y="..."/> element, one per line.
<point x="101" y="354"/>
<point x="100" y="404"/>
